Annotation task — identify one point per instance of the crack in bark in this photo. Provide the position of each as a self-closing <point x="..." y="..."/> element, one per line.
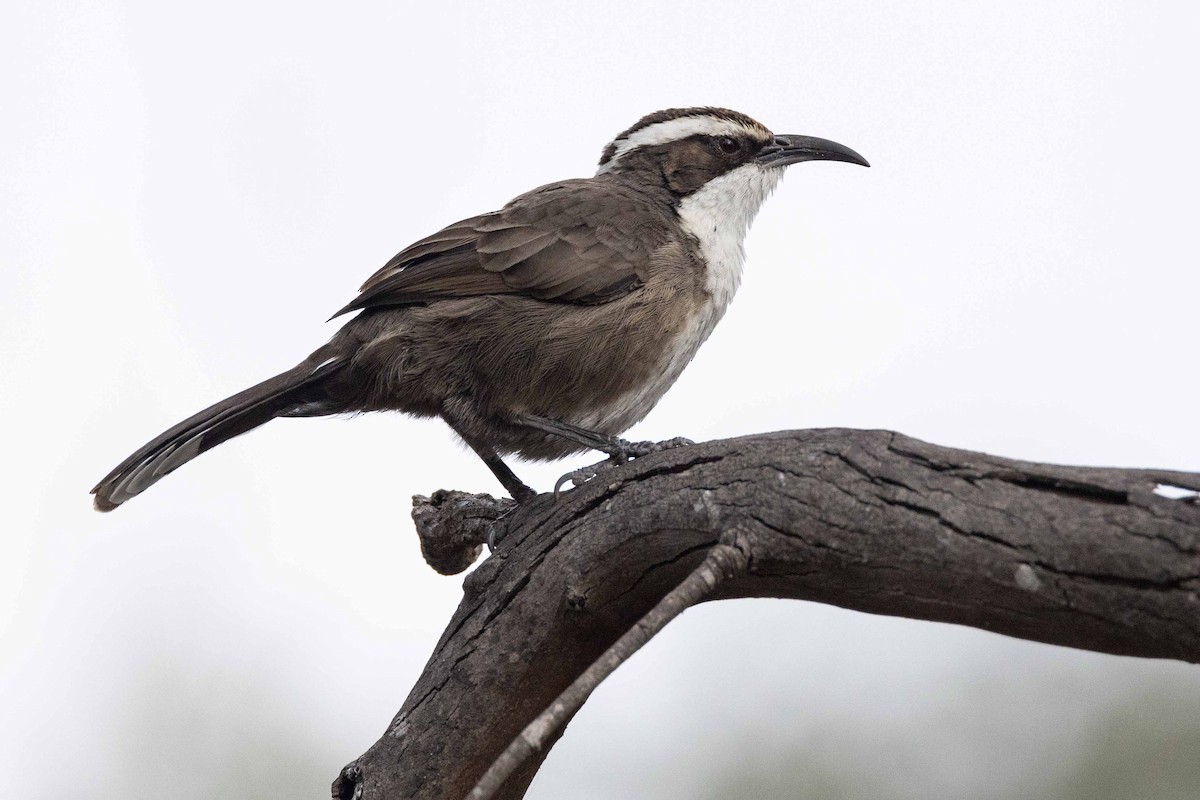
<point x="1074" y="490"/>
<point x="1106" y="579"/>
<point x="650" y="568"/>
<point x="791" y="534"/>
<point x="941" y="519"/>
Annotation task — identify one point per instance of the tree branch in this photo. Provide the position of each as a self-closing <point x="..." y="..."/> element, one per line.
<point x="1091" y="558"/>
<point x="723" y="561"/>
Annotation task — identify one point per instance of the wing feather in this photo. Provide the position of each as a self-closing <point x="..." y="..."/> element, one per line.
<point x="584" y="241"/>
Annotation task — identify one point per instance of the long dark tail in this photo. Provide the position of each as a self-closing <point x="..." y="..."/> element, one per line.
<point x="297" y="392"/>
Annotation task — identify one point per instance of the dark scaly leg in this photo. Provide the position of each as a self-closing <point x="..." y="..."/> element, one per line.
<point x="619" y="450"/>
<point x="508" y="479"/>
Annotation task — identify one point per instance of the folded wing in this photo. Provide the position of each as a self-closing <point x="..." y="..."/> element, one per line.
<point x="582" y="241"/>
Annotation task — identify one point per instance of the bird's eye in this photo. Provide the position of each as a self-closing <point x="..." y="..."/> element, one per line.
<point x="728" y="144"/>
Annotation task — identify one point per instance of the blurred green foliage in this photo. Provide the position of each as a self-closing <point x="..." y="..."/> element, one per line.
<point x="1146" y="747"/>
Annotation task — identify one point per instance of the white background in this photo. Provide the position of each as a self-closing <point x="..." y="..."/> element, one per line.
<point x="188" y="191"/>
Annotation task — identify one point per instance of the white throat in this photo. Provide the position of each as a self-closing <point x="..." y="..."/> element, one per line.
<point x="718" y="215"/>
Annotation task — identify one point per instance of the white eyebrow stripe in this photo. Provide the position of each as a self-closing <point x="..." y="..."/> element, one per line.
<point x="673" y="130"/>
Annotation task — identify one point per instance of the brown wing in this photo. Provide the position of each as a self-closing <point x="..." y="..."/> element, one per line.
<point x="582" y="241"/>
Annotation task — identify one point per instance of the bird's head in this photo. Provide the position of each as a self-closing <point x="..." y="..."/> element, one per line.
<point x="684" y="149"/>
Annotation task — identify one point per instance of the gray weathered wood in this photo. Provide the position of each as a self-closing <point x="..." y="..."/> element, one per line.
<point x="1083" y="557"/>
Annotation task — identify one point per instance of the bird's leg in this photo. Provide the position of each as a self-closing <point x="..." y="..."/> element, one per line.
<point x="619" y="450"/>
<point x="520" y="491"/>
<point x="508" y="479"/>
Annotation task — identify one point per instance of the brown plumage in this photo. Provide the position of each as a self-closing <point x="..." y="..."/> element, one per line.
<point x="542" y="329"/>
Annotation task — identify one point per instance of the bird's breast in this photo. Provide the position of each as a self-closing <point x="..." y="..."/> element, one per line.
<point x="716" y="217"/>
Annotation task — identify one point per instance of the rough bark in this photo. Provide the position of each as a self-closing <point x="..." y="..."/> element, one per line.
<point x="1091" y="558"/>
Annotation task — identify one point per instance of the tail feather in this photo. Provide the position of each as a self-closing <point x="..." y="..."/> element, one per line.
<point x="299" y="387"/>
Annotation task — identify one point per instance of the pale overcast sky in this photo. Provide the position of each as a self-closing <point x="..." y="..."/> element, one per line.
<point x="189" y="191"/>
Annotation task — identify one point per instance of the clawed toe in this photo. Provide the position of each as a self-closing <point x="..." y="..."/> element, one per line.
<point x="623" y="452"/>
<point x="579" y="477"/>
<point x="639" y="449"/>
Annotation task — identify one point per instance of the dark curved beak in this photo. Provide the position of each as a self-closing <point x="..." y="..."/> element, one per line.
<point x="792" y="149"/>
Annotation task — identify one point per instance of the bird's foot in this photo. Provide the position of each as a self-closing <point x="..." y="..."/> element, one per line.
<point x="622" y="452"/>
<point x="630" y="450"/>
<point x="578" y="477"/>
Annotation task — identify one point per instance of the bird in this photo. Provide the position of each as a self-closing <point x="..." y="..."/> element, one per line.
<point x="545" y="328"/>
